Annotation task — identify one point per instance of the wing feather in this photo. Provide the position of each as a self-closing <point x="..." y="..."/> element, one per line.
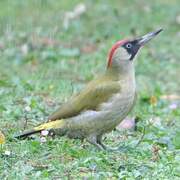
<point x="88" y="99"/>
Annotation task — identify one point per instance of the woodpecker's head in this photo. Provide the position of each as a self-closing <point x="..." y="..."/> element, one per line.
<point x="123" y="52"/>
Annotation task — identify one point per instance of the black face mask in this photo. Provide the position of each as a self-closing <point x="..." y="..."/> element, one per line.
<point x="132" y="48"/>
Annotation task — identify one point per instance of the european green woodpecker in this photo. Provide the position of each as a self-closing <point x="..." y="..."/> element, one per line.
<point x="104" y="102"/>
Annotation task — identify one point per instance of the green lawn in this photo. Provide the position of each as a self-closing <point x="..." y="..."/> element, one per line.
<point x="42" y="63"/>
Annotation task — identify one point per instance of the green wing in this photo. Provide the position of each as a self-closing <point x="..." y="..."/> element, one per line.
<point x="90" y="98"/>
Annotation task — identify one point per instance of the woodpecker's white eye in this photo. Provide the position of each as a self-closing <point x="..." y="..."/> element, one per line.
<point x="128" y="45"/>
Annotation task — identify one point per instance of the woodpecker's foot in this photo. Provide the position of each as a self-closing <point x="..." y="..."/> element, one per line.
<point x="99" y="141"/>
<point x="93" y="140"/>
<point x="110" y="149"/>
<point x="118" y="148"/>
<point x="113" y="149"/>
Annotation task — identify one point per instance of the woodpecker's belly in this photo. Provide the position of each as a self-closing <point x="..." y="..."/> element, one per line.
<point x="117" y="108"/>
<point x="108" y="116"/>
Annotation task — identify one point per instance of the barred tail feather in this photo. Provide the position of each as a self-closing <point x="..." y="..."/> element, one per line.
<point x="27" y="134"/>
<point x="46" y="126"/>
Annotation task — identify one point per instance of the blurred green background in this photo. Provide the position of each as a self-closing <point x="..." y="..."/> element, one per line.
<point x="50" y="49"/>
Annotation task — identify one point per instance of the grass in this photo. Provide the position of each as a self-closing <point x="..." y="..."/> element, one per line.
<point x="42" y="64"/>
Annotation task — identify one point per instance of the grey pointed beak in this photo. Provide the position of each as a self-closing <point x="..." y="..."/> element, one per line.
<point x="146" y="38"/>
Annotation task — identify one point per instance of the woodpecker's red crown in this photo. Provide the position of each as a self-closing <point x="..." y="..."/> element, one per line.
<point x="114" y="47"/>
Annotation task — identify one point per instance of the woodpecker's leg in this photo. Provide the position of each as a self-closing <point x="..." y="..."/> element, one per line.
<point x="93" y="140"/>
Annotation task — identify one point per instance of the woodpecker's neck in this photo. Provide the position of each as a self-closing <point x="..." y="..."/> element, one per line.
<point x="125" y="75"/>
<point x="123" y="70"/>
